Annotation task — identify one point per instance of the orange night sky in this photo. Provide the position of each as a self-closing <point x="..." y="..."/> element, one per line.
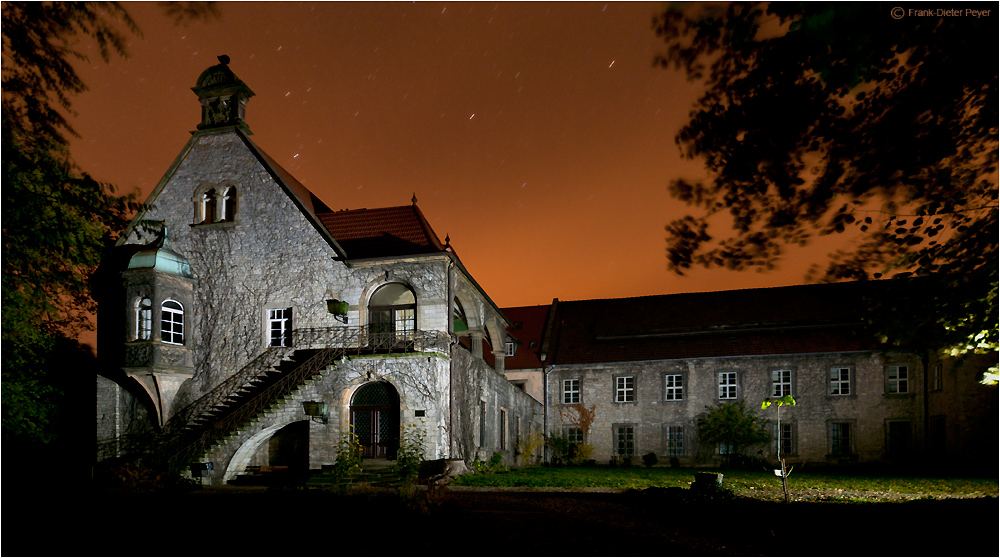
<point x="537" y="135"/>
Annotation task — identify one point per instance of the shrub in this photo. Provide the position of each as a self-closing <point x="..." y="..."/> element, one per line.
<point x="410" y="454"/>
<point x="650" y="459"/>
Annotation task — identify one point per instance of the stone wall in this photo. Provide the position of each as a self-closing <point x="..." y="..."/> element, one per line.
<point x="481" y="400"/>
<point x="868" y="408"/>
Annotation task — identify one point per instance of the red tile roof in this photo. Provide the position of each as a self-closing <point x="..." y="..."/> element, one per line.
<point x="387" y="231"/>
<point x="782" y="320"/>
<point x="528" y="327"/>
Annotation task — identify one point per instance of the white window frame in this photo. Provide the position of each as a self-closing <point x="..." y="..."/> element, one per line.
<point x="571" y="391"/>
<point x="673" y="387"/>
<point x="624" y="389"/>
<point x="172" y="322"/>
<point x="508" y="348"/>
<point x="280" y="320"/>
<point x="143" y="319"/>
<point x="728" y="386"/>
<point x="674" y="440"/>
<point x="898" y="380"/>
<point x="781" y="382"/>
<point x="841" y="381"/>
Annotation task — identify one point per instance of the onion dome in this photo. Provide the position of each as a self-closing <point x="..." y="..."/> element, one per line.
<point x="159" y="257"/>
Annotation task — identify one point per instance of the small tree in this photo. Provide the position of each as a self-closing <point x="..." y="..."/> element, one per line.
<point x="785" y="400"/>
<point x="732" y="425"/>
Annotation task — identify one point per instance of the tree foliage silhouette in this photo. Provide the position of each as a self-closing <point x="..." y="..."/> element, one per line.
<point x="837" y="118"/>
<point x="56" y="218"/>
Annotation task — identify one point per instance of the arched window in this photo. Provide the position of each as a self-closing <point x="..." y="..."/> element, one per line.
<point x="172" y="322"/>
<point x="143" y="319"/>
<point x="229" y="204"/>
<point x="393" y="308"/>
<point x="208" y="207"/>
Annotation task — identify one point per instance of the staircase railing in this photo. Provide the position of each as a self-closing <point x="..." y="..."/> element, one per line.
<point x="183" y="439"/>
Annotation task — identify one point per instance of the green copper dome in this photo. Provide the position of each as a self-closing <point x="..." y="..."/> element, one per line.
<point x="159" y="257"/>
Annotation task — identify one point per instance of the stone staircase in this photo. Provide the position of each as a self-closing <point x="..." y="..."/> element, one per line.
<point x="236" y="408"/>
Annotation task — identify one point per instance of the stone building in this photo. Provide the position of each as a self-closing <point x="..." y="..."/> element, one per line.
<point x="643" y="370"/>
<point x="246" y="323"/>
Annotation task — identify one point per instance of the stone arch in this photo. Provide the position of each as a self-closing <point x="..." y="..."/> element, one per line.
<point x="374" y="415"/>
<point x="242" y="456"/>
<point x="374" y="285"/>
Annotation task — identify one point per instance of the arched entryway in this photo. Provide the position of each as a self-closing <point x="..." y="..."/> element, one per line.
<point x="289" y="447"/>
<point x="375" y="420"/>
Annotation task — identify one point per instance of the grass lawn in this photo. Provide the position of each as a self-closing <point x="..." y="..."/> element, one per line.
<point x="742" y="482"/>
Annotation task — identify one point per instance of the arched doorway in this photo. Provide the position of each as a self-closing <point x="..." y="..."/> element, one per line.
<point x="289" y="447"/>
<point x="392" y="316"/>
<point x="375" y="419"/>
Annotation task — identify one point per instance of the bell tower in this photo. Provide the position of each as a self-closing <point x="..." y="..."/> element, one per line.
<point x="223" y="97"/>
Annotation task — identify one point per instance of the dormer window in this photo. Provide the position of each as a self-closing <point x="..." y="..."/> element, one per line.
<point x="172" y="322"/>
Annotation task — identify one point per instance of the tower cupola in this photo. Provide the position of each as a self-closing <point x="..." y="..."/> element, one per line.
<point x="223" y="97"/>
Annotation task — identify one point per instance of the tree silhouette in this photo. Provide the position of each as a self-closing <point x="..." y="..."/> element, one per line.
<point x="56" y="218"/>
<point x="839" y="118"/>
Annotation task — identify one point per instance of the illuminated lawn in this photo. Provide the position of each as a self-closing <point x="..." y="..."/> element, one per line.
<point x="741" y="482"/>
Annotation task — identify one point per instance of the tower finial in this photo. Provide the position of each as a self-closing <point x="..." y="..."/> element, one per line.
<point x="224" y="60"/>
<point x="414" y="199"/>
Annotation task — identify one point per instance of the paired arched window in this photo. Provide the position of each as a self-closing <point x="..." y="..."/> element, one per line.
<point x="229" y="204"/>
<point x="393" y="308"/>
<point x="172" y="322"/>
<point x="143" y="319"/>
<point x="208" y="207"/>
<point x="216" y="204"/>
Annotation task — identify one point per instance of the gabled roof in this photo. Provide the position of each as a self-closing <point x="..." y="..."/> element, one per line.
<point x="782" y="320"/>
<point x="386" y="231"/>
<point x="527" y="328"/>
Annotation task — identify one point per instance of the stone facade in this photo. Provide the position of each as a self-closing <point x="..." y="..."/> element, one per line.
<point x="868" y="408"/>
<point x="265" y="271"/>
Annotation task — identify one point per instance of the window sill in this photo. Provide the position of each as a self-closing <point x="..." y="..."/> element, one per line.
<point x="218" y="225"/>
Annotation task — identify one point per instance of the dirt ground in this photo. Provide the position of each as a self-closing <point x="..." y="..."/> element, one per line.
<point x="470" y="522"/>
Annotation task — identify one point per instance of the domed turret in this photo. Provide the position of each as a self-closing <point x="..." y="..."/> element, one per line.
<point x="223" y="97"/>
<point x="159" y="257"/>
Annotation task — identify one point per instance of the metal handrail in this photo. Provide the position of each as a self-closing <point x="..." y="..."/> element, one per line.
<point x="184" y="439"/>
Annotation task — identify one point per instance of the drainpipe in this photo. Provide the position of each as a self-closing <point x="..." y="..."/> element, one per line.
<point x="545" y="414"/>
<point x="452" y="339"/>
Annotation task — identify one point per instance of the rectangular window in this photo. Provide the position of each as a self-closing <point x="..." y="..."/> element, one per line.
<point x="675" y="440"/>
<point x="503" y="429"/>
<point x="783" y="437"/>
<point x="841" y="438"/>
<point x="508" y="349"/>
<point x="624" y="389"/>
<point x="727" y="385"/>
<point x="781" y="383"/>
<point x="625" y="437"/>
<point x="674" y="387"/>
<point x="936" y="377"/>
<point x="405" y="320"/>
<point x="482" y="424"/>
<point x="280" y="326"/>
<point x="574" y="434"/>
<point x="571" y="391"/>
<point x="726" y="448"/>
<point x="899" y="379"/>
<point x="840" y="381"/>
<point x="899" y="434"/>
